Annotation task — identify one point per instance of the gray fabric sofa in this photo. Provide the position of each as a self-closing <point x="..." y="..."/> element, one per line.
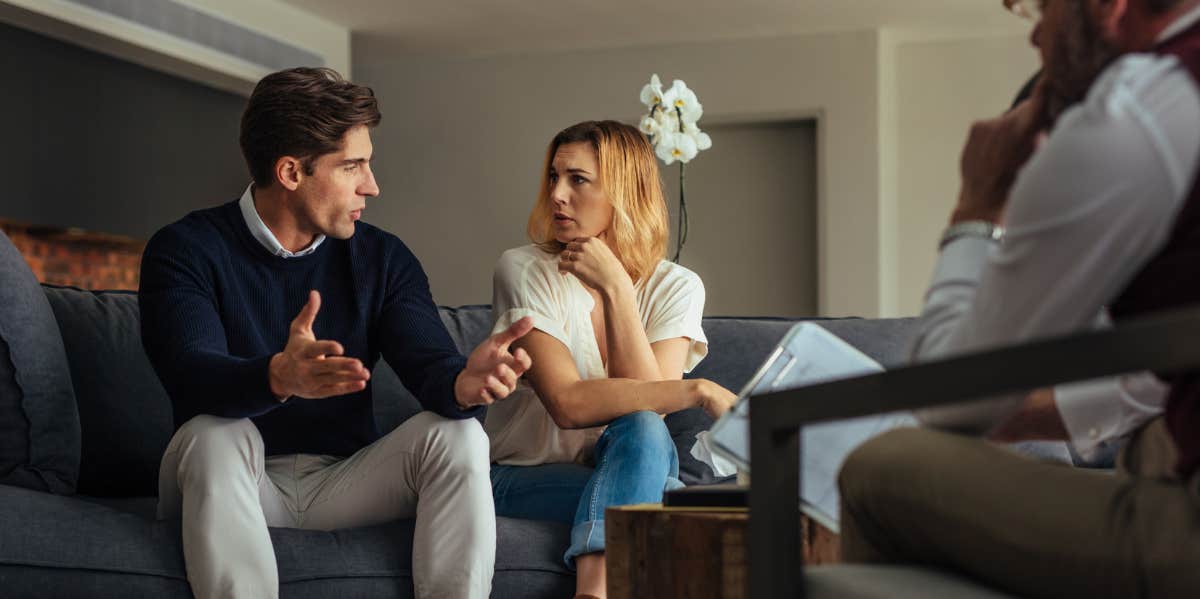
<point x="94" y="533"/>
<point x="103" y="541"/>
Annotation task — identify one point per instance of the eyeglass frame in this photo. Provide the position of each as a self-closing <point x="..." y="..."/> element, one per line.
<point x="1026" y="9"/>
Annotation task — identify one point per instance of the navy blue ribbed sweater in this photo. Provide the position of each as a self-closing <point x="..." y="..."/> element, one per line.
<point x="216" y="305"/>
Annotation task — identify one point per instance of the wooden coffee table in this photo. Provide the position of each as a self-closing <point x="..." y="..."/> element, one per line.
<point x="676" y="552"/>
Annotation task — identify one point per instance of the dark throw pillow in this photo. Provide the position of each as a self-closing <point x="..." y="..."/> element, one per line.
<point x="126" y="419"/>
<point x="39" y="424"/>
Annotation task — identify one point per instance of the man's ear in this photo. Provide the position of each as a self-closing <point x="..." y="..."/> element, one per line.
<point x="289" y="171"/>
<point x="1108" y="16"/>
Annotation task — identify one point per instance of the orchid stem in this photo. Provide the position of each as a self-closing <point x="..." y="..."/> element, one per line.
<point x="683" y="219"/>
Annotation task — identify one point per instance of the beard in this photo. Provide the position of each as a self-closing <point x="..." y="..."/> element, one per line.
<point x="1077" y="60"/>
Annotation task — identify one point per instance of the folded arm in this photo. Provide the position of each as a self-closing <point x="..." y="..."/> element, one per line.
<point x="630" y="353"/>
<point x="576" y="403"/>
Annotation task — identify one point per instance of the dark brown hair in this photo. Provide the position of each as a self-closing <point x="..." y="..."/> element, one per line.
<point x="302" y="112"/>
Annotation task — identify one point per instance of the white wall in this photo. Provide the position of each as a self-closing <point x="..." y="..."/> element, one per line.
<point x="459" y="153"/>
<point x="462" y="142"/>
<point x="941" y="88"/>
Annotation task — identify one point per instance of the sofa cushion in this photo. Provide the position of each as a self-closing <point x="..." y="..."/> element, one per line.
<point x="39" y="425"/>
<point x="125" y="414"/>
<point x="736" y="347"/>
<point x="468" y="325"/>
<point x="68" y="547"/>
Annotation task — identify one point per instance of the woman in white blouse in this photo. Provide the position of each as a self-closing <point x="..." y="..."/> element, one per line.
<point x="615" y="327"/>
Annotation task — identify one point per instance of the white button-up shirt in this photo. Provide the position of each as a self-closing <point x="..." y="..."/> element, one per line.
<point x="1086" y="213"/>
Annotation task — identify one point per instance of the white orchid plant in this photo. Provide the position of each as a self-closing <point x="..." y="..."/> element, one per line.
<point x="671" y="126"/>
<point x="671" y="121"/>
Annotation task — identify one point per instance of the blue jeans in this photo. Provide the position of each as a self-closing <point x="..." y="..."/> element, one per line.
<point x="635" y="462"/>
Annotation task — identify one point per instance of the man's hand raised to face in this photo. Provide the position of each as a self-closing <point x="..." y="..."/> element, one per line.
<point x="492" y="371"/>
<point x="314" y="369"/>
<point x="996" y="150"/>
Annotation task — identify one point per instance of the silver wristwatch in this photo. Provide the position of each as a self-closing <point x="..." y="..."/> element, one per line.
<point x="971" y="228"/>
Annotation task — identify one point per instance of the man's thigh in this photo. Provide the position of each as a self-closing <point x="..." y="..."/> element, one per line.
<point x="217" y="448"/>
<point x="377" y="484"/>
<point x="1039" y="528"/>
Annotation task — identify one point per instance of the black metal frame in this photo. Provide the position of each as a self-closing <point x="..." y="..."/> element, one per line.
<point x="1166" y="342"/>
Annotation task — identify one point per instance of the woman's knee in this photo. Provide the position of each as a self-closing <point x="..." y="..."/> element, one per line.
<point x="646" y="429"/>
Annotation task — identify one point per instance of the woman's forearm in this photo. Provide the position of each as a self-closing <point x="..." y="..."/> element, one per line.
<point x="594" y="402"/>
<point x="629" y="352"/>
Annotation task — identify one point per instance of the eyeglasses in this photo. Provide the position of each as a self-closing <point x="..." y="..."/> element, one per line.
<point x="1026" y="9"/>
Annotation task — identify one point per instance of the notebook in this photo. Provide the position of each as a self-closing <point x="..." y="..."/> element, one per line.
<point x="807" y="355"/>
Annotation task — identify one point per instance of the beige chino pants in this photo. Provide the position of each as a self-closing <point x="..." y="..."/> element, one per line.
<point x="214" y="475"/>
<point x="1038" y="529"/>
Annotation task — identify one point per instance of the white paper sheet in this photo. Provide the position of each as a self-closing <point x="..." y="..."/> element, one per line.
<point x="808" y="355"/>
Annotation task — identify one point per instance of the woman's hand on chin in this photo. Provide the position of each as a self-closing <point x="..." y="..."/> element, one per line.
<point x="594" y="264"/>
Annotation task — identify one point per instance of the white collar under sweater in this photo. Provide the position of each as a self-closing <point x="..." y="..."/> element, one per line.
<point x="263" y="234"/>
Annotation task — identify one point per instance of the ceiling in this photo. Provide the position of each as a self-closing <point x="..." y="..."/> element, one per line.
<point x="483" y="27"/>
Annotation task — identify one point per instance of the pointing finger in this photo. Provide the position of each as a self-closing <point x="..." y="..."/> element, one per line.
<point x="518" y="329"/>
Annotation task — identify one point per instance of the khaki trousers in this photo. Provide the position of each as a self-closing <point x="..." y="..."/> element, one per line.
<point x="1033" y="528"/>
<point x="215" y="476"/>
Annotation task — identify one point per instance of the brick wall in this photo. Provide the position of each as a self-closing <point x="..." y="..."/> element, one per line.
<point x="77" y="258"/>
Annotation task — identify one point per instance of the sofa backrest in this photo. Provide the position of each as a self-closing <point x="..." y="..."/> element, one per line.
<point x="125" y="416"/>
<point x="126" y="419"/>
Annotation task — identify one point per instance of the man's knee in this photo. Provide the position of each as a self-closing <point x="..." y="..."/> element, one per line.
<point x="215" y="430"/>
<point x="461" y="443"/>
<point x="873" y="464"/>
<point x="219" y="442"/>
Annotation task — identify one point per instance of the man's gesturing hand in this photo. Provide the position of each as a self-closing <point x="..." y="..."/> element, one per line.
<point x="311" y="368"/>
<point x="492" y="372"/>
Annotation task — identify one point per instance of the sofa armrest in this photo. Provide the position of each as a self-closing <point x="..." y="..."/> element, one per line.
<point x="1164" y="342"/>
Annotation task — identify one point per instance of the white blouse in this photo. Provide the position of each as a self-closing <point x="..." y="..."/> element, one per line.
<point x="527" y="283"/>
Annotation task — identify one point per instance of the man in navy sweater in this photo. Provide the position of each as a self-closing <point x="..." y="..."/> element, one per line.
<point x="263" y="318"/>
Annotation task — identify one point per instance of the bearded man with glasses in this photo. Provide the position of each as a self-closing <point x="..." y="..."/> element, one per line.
<point x="1094" y="179"/>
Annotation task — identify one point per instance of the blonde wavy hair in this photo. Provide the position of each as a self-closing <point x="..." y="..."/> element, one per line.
<point x="629" y="178"/>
